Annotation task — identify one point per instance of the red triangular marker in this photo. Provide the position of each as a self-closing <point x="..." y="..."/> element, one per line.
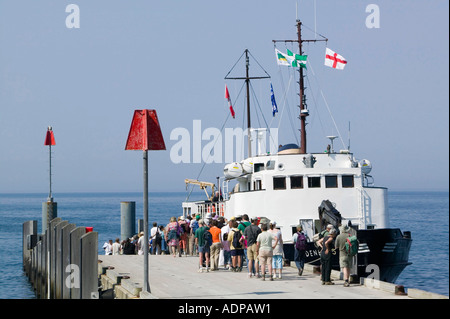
<point x="145" y="132"/>
<point x="49" y="137"/>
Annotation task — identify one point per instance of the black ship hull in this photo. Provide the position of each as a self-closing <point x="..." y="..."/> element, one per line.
<point x="383" y="254"/>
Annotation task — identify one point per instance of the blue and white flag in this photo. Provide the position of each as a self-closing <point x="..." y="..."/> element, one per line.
<point x="274" y="103"/>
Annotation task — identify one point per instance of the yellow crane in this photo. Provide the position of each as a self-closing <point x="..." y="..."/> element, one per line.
<point x="203" y="185"/>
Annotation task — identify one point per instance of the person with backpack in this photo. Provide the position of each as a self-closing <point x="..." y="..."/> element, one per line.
<point x="236" y="239"/>
<point x="203" y="243"/>
<point x="251" y="233"/>
<point x="155" y="237"/>
<point x="327" y="244"/>
<point x="299" y="240"/>
<point x="344" y="242"/>
<point x="193" y="226"/>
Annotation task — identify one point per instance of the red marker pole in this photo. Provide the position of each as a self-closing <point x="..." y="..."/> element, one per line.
<point x="50" y="140"/>
<point x="49" y="208"/>
<point x="145" y="134"/>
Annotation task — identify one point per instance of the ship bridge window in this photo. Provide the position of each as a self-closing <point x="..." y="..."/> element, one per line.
<point x="257" y="167"/>
<point x="279" y="182"/>
<point x="331" y="181"/>
<point x="296" y="182"/>
<point x="313" y="181"/>
<point x="348" y="181"/>
<point x="270" y="165"/>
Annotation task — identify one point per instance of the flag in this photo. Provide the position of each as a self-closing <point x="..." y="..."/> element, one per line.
<point x="281" y="58"/>
<point x="227" y="96"/>
<point x="274" y="103"/>
<point x="291" y="59"/>
<point x="334" y="60"/>
<point x="297" y="60"/>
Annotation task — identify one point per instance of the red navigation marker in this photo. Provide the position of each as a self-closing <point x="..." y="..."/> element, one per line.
<point x="49" y="137"/>
<point x="145" y="132"/>
<point x="49" y="141"/>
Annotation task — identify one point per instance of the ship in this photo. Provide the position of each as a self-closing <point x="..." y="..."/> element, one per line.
<point x="295" y="187"/>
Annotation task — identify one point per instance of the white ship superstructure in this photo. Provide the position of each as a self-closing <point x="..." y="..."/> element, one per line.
<point x="289" y="188"/>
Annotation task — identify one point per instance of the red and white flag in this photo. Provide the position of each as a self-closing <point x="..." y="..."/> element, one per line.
<point x="334" y="60"/>
<point x="227" y="96"/>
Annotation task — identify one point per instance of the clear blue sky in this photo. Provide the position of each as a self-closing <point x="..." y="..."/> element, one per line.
<point x="172" y="56"/>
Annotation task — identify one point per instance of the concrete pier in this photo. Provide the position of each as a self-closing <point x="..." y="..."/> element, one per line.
<point x="178" y="278"/>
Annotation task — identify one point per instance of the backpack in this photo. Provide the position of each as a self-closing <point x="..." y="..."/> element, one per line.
<point x="158" y="237"/>
<point x="237" y="239"/>
<point x="207" y="238"/>
<point x="194" y="225"/>
<point x="351" y="246"/>
<point x="301" y="242"/>
<point x="186" y="228"/>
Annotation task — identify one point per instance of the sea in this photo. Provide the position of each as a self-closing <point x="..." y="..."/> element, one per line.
<point x="425" y="214"/>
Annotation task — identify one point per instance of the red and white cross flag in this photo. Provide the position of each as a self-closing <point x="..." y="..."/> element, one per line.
<point x="334" y="60"/>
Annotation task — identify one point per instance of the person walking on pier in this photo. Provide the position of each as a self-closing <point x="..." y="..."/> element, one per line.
<point x="128" y="247"/>
<point x="242" y="226"/>
<point x="325" y="256"/>
<point x="299" y="240"/>
<point x="193" y="226"/>
<point x="107" y="246"/>
<point x="277" y="259"/>
<point x="236" y="245"/>
<point x="164" y="248"/>
<point x="251" y="234"/>
<point x="202" y="244"/>
<point x="172" y="237"/>
<point x="216" y="245"/>
<point x="184" y="232"/>
<point x="345" y="261"/>
<point x="140" y="243"/>
<point x="155" y="237"/>
<point x="116" y="247"/>
<point x="265" y="251"/>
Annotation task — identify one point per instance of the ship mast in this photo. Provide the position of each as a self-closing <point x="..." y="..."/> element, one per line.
<point x="303" y="110"/>
<point x="247" y="79"/>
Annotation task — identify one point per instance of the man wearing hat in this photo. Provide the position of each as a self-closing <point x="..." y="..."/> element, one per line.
<point x="345" y="261"/>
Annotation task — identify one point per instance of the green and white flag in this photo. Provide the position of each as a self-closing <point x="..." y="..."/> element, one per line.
<point x="297" y="60"/>
<point x="291" y="59"/>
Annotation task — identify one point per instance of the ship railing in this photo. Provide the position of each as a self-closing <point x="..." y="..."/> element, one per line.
<point x="203" y="208"/>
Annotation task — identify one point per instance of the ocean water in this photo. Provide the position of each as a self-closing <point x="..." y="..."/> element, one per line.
<point x="425" y="214"/>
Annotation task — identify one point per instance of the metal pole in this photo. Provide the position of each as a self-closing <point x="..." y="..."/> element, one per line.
<point x="146" y="283"/>
<point x="247" y="81"/>
<point x="301" y="93"/>
<point x="50" y="198"/>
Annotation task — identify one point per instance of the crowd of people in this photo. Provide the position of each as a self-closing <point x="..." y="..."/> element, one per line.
<point x="215" y="241"/>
